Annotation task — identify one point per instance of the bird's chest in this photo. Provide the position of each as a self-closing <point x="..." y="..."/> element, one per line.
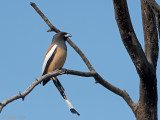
<point x="58" y="60"/>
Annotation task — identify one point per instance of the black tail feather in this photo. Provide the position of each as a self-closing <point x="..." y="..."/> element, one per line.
<point x="62" y="92"/>
<point x="74" y="111"/>
<point x="60" y="88"/>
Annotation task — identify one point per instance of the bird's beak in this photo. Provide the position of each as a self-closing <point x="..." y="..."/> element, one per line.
<point x="68" y="35"/>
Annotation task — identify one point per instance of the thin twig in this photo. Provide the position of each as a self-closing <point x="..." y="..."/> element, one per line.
<point x="52" y="28"/>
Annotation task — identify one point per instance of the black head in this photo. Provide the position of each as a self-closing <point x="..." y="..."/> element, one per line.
<point x="61" y="36"/>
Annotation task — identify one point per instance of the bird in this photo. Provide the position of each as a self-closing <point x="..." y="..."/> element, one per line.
<point x="54" y="59"/>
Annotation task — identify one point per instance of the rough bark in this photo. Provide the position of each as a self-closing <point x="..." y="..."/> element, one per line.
<point x="148" y="87"/>
<point x="150" y="33"/>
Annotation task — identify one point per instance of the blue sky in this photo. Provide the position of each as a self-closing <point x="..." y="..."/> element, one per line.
<point x="24" y="41"/>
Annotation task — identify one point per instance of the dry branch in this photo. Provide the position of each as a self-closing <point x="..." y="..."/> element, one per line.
<point x="116" y="90"/>
<point x="37" y="81"/>
<point x="52" y="28"/>
<point x="107" y="85"/>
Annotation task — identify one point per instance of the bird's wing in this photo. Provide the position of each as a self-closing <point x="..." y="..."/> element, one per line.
<point x="48" y="57"/>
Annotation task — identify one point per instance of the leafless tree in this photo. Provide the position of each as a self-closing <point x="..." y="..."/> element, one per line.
<point x="145" y="61"/>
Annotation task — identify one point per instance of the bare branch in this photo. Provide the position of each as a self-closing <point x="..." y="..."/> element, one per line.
<point x="150" y="33"/>
<point x="100" y="80"/>
<point x="116" y="90"/>
<point x="52" y="28"/>
<point x="129" y="37"/>
<point x="37" y="81"/>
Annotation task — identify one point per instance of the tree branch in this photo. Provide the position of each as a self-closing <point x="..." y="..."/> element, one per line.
<point x="107" y="85"/>
<point x="37" y="81"/>
<point x="52" y="28"/>
<point x="150" y="33"/>
<point x="116" y="90"/>
<point x="129" y="37"/>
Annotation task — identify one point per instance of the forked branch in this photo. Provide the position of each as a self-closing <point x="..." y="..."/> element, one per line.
<point x="129" y="38"/>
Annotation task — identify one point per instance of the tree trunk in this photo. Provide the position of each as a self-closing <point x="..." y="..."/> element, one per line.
<point x="147" y="105"/>
<point x="144" y="61"/>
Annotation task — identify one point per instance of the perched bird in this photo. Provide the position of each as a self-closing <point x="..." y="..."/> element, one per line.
<point x="54" y="59"/>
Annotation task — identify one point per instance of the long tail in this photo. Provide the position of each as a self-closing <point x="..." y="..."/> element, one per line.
<point x="62" y="92"/>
